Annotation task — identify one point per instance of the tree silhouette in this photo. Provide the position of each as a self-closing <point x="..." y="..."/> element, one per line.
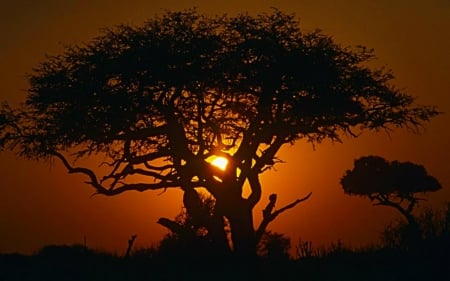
<point x="159" y="100"/>
<point x="394" y="184"/>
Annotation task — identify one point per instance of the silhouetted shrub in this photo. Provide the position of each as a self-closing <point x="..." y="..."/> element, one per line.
<point x="433" y="225"/>
<point x="304" y="249"/>
<point x="274" y="246"/>
<point x="65" y="251"/>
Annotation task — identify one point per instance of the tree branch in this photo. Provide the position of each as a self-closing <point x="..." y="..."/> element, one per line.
<point x="255" y="186"/>
<point x="173" y="226"/>
<point x="100" y="189"/>
<point x="128" y="170"/>
<point x="385" y="201"/>
<point x="144" y="133"/>
<point x="269" y="216"/>
<point x="252" y="174"/>
<point x="268" y="155"/>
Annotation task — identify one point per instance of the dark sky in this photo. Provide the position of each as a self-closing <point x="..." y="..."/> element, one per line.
<point x="43" y="205"/>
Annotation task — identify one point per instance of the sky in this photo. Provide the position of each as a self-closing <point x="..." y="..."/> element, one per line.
<point x="41" y="204"/>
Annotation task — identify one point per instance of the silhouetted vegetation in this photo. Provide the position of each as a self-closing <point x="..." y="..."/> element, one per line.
<point x="158" y="100"/>
<point x="434" y="229"/>
<point x="187" y="253"/>
<point x="274" y="247"/>
<point x="394" y="184"/>
<point x="429" y="260"/>
<point x="197" y="232"/>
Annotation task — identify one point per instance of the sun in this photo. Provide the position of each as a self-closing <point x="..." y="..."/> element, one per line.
<point x="220" y="162"/>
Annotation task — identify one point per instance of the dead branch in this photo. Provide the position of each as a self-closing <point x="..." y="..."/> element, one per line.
<point x="269" y="216"/>
<point x="100" y="189"/>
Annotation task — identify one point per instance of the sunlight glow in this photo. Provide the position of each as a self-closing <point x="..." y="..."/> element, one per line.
<point x="220" y="162"/>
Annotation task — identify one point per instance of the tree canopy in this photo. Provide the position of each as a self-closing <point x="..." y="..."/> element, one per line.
<point x="394" y="184"/>
<point x="373" y="175"/>
<point x="156" y="101"/>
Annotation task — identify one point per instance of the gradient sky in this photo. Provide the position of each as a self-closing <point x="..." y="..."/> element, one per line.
<point x="40" y="204"/>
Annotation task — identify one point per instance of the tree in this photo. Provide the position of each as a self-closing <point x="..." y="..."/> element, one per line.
<point x="394" y="184"/>
<point x="160" y="100"/>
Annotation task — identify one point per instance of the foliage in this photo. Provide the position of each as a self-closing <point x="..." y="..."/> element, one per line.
<point x="375" y="176"/>
<point x="156" y="101"/>
<point x="211" y="84"/>
<point x="393" y="184"/>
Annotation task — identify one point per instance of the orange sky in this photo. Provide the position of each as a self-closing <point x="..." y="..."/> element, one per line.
<point x="40" y="204"/>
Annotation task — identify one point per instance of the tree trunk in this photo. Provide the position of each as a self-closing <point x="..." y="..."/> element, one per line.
<point x="413" y="232"/>
<point x="242" y="230"/>
<point x="218" y="235"/>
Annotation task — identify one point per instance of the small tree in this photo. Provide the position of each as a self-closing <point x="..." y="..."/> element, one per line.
<point x="394" y="184"/>
<point x="160" y="100"/>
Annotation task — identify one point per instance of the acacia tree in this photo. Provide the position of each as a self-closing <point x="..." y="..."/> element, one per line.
<point x="157" y="101"/>
<point x="394" y="184"/>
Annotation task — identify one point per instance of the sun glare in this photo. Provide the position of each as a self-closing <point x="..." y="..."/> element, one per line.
<point x="220" y="162"/>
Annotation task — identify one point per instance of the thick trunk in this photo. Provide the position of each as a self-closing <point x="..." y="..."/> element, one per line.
<point x="412" y="222"/>
<point x="242" y="231"/>
<point x="413" y="231"/>
<point x="218" y="235"/>
<point x="238" y="212"/>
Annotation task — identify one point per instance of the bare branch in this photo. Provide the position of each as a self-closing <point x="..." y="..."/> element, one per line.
<point x="143" y="134"/>
<point x="158" y="168"/>
<point x="255" y="186"/>
<point x="292" y="205"/>
<point x="74" y="170"/>
<point x="173" y="226"/>
<point x="269" y="216"/>
<point x="406" y="212"/>
<point x="100" y="189"/>
<point x="268" y="155"/>
<point x="252" y="175"/>
<point x="149" y="157"/>
<point x="128" y="170"/>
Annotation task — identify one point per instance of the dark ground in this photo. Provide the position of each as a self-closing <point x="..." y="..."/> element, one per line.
<point x="79" y="263"/>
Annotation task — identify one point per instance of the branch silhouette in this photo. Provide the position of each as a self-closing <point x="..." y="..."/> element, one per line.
<point x="389" y="183"/>
<point x="269" y="215"/>
<point x="100" y="189"/>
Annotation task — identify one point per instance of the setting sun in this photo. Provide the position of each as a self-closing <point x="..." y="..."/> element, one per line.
<point x="220" y="162"/>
